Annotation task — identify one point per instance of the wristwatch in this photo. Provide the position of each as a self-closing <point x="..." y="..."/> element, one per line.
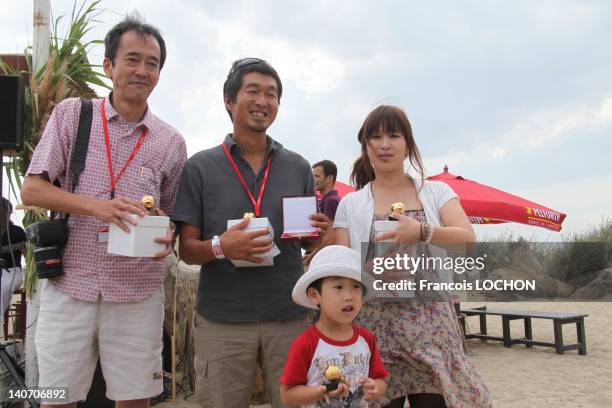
<point x="216" y="247"/>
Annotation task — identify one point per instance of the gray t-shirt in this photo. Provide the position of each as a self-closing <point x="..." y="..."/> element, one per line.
<point x="210" y="193"/>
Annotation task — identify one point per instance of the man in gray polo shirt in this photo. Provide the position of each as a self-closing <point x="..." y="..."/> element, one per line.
<point x="245" y="316"/>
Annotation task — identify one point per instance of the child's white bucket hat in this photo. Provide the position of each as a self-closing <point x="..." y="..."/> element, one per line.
<point x="333" y="260"/>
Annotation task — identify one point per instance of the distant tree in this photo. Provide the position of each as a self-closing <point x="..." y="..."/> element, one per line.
<point x="68" y="73"/>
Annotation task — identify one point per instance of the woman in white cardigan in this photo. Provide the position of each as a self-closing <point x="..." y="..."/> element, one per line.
<point x="419" y="340"/>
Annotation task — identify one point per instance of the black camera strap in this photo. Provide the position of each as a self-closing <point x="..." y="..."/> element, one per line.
<point x="79" y="153"/>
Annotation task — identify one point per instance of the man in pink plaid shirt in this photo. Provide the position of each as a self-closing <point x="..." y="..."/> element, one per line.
<point x="106" y="306"/>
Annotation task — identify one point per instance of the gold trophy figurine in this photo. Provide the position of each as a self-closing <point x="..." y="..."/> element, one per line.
<point x="148" y="202"/>
<point x="333" y="378"/>
<point x="397" y="208"/>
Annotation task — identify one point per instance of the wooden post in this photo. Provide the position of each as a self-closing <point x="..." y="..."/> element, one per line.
<point x="40" y="46"/>
<point x="174" y="335"/>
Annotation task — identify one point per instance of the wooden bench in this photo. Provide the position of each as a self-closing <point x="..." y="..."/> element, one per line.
<point x="507" y="315"/>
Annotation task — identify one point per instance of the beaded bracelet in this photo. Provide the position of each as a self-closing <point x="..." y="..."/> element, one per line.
<point x="426" y="232"/>
<point x="430" y="232"/>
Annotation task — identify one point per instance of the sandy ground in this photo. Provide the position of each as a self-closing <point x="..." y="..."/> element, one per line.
<point x="538" y="377"/>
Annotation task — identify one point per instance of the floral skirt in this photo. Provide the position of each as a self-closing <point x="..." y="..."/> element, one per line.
<point x="421" y="346"/>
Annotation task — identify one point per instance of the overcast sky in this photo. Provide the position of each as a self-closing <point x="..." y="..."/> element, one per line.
<point x="516" y="95"/>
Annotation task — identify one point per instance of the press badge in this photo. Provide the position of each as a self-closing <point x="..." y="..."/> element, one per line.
<point x="103" y="233"/>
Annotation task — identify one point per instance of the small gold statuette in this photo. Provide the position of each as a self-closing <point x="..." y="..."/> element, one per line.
<point x="248" y="216"/>
<point x="397" y="208"/>
<point x="333" y="378"/>
<point x="148" y="202"/>
<point x="333" y="373"/>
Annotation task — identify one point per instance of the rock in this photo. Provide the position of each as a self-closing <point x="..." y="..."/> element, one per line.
<point x="599" y="289"/>
<point x="584" y="280"/>
<point x="545" y="286"/>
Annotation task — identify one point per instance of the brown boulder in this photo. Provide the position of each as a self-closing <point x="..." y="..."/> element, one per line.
<point x="599" y="289"/>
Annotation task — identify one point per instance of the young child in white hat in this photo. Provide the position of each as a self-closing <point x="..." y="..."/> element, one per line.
<point x="333" y="363"/>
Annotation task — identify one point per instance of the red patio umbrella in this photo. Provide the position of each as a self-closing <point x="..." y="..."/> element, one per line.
<point x="341" y="188"/>
<point x="488" y="205"/>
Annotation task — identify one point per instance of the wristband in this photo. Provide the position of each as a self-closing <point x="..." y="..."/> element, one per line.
<point x="424" y="231"/>
<point x="216" y="247"/>
<point x="430" y="233"/>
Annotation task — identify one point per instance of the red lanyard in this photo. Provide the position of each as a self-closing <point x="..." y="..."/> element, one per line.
<point x="256" y="204"/>
<point x="113" y="180"/>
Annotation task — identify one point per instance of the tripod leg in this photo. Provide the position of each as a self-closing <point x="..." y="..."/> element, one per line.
<point x="14" y="372"/>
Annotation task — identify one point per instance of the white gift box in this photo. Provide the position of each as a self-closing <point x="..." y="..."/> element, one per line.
<point x="140" y="240"/>
<point x="296" y="217"/>
<point x="384" y="226"/>
<point x="254" y="225"/>
<point x="379" y="228"/>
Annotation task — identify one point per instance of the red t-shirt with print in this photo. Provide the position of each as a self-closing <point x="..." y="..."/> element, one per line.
<point x="312" y="352"/>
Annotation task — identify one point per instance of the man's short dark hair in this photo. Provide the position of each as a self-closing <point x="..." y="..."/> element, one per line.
<point x="329" y="168"/>
<point x="244" y="66"/>
<point x="132" y="23"/>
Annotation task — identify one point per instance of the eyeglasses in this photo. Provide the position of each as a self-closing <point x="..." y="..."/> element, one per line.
<point x="245" y="62"/>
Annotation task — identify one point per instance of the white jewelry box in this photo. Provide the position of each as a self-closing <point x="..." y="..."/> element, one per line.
<point x="384" y="226"/>
<point x="254" y="225"/>
<point x="139" y="242"/>
<point x="296" y="217"/>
